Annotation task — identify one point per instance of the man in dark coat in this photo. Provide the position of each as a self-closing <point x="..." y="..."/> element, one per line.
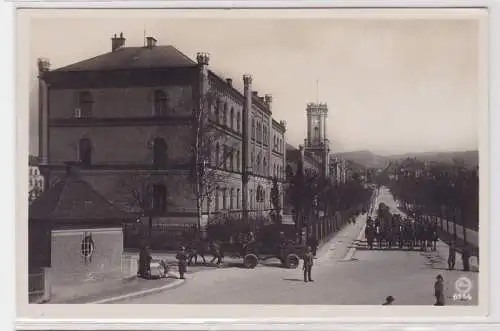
<point x="439" y="291"/>
<point x="388" y="301"/>
<point x="182" y="259"/>
<point x="308" y="264"/>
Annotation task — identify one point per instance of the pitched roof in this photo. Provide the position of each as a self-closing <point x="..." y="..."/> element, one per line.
<point x="74" y="198"/>
<point x="133" y="58"/>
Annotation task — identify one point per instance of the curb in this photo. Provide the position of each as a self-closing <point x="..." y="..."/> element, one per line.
<point x="352" y="250"/>
<point x="176" y="283"/>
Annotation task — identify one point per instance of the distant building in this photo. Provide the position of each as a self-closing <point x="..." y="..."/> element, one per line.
<point x="126" y="116"/>
<point x="317" y="142"/>
<point x="36" y="180"/>
<point x="338" y="169"/>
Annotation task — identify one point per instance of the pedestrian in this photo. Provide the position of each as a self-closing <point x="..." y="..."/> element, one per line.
<point x="182" y="258"/>
<point x="439" y="291"/>
<point x="451" y="256"/>
<point x="217" y="255"/>
<point x="308" y="264"/>
<point x="388" y="301"/>
<point x="465" y="258"/>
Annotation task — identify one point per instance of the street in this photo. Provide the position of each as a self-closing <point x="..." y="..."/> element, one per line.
<point x="365" y="279"/>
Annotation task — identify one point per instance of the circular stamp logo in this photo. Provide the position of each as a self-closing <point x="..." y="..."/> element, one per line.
<point x="463" y="286"/>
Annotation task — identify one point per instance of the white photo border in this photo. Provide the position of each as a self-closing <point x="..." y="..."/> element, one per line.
<point x="50" y="317"/>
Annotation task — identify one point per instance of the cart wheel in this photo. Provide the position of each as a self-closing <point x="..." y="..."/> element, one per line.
<point x="250" y="261"/>
<point x="292" y="261"/>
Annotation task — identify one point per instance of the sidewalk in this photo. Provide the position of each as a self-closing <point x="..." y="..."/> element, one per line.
<point x="340" y="247"/>
<point x="442" y="251"/>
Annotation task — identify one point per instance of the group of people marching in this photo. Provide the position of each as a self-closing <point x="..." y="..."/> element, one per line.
<point x="402" y="232"/>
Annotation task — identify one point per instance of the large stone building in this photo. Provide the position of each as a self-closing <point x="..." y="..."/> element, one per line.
<point x="317" y="142"/>
<point x="127" y="117"/>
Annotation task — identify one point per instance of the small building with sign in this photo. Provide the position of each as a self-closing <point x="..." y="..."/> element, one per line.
<point x="75" y="237"/>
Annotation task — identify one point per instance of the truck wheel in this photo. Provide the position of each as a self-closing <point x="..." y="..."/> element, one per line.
<point x="292" y="261"/>
<point x="250" y="261"/>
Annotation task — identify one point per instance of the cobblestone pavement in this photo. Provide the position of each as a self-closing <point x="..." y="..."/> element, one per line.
<point x="367" y="278"/>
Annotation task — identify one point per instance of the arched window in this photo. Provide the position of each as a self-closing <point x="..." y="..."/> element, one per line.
<point x="85" y="151"/>
<point x="238" y="120"/>
<point x="224" y="114"/>
<point x="160" y="103"/>
<point x="238" y="161"/>
<point x="253" y="128"/>
<point x="217" y="155"/>
<point x="316" y="133"/>
<point x="264" y="166"/>
<point x="85" y="103"/>
<point x="231" y="118"/>
<point x="159" y="153"/>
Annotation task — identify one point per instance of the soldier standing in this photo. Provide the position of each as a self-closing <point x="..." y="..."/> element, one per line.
<point x="465" y="258"/>
<point x="308" y="263"/>
<point x="182" y="258"/>
<point x="439" y="291"/>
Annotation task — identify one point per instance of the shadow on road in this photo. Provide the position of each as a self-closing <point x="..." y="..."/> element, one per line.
<point x="293" y="279"/>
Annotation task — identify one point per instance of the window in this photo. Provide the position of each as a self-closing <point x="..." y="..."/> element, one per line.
<point x="258" y="162"/>
<point x="159" y="153"/>
<point x="224" y="199"/>
<point x="252" y="160"/>
<point x="85" y="103"/>
<point x="85" y="151"/>
<point x="275" y="170"/>
<point x="217" y="155"/>
<point x="160" y="103"/>
<point x="159" y="198"/>
<point x="316" y="133"/>
<point x="237" y="198"/>
<point x="251" y="199"/>
<point x="238" y="161"/>
<point x="264" y="166"/>
<point x="253" y="128"/>
<point x="224" y="114"/>
<point x="225" y="156"/>
<point x="231" y="199"/>
<point x="234" y="155"/>
<point x="238" y="120"/>
<point x="217" y="198"/>
<point x="217" y="110"/>
<point x="87" y="246"/>
<point x="231" y="118"/>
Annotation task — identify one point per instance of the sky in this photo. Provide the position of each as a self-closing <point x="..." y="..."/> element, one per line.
<point x="392" y="85"/>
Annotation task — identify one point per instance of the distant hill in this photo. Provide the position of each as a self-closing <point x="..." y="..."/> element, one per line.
<point x="366" y="159"/>
<point x="469" y="158"/>
<point x="371" y="160"/>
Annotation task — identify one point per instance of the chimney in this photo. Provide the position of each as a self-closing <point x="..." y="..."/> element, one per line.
<point x="229" y="82"/>
<point x="202" y="58"/>
<point x="117" y="42"/>
<point x="151" y="42"/>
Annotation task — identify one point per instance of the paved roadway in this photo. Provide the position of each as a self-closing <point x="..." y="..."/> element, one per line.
<point x="367" y="278"/>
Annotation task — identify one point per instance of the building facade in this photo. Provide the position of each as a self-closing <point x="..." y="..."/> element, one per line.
<point x="317" y="142"/>
<point x="127" y="118"/>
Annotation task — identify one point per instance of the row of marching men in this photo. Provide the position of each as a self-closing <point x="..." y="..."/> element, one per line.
<point x="402" y="232"/>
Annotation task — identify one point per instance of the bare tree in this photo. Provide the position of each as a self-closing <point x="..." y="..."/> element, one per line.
<point x="213" y="153"/>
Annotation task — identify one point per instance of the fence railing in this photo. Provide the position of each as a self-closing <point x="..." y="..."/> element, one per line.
<point x="36" y="285"/>
<point x="471" y="237"/>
